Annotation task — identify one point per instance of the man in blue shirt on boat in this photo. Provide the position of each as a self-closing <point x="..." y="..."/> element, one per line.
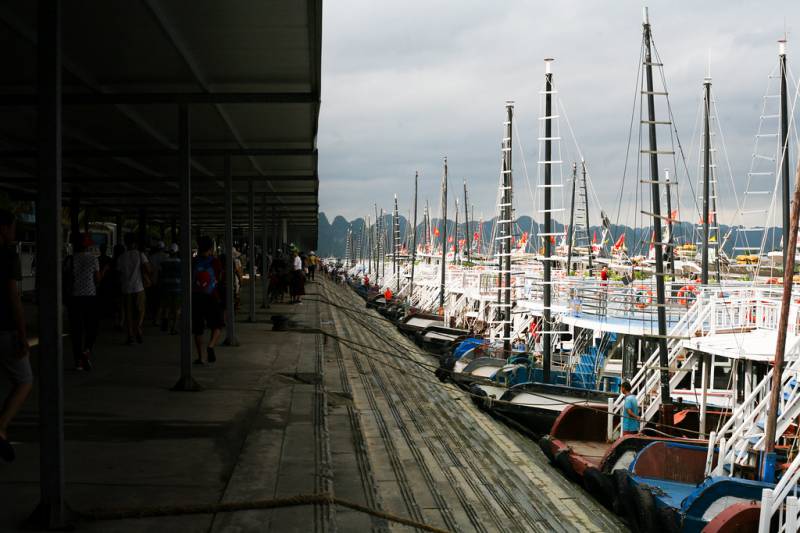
<point x="630" y="411"/>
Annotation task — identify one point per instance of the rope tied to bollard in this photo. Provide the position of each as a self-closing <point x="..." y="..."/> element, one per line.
<point x="98" y="515"/>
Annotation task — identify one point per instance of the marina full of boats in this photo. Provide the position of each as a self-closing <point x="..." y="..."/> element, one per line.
<point x="543" y="327"/>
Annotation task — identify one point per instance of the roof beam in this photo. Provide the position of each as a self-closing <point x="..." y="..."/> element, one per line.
<point x="165" y="152"/>
<point x="147" y="98"/>
<point x="134" y="180"/>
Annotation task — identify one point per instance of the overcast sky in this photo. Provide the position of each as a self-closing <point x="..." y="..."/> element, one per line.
<point x="406" y="83"/>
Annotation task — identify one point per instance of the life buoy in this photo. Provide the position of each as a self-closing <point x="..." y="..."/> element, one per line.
<point x="773" y="281"/>
<point x="642" y="297"/>
<point x="684" y="294"/>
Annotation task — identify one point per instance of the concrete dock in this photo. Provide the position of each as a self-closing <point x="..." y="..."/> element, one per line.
<point x="341" y="405"/>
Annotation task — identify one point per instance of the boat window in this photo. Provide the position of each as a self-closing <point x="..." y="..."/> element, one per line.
<point x="721" y="374"/>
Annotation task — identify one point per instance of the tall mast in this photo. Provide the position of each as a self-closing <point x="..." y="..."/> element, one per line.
<point x="444" y="237"/>
<point x="548" y="230"/>
<point x="369" y="247"/>
<point x="768" y="467"/>
<point x="706" y="176"/>
<point x="505" y="226"/>
<point x="427" y="228"/>
<point x="455" y="234"/>
<point x="382" y="247"/>
<point x="467" y="234"/>
<point x="586" y="206"/>
<point x="571" y="230"/>
<point x="396" y="243"/>
<point x="671" y="239"/>
<point x="784" y="150"/>
<point x="655" y="192"/>
<point x="413" y="239"/>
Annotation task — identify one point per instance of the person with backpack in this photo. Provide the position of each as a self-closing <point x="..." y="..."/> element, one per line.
<point x="207" y="308"/>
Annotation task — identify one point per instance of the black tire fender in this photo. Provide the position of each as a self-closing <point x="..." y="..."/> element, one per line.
<point x="545" y="443"/>
<point x="600" y="486"/>
<point x="647" y="517"/>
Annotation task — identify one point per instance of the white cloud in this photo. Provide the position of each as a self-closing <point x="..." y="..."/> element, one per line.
<point x="405" y="83"/>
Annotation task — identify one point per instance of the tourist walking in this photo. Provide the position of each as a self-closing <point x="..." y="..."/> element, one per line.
<point x="169" y="283"/>
<point x="14" y="351"/>
<point x="81" y="276"/>
<point x="133" y="267"/>
<point x="153" y="292"/>
<point x="297" y="283"/>
<point x="312" y="265"/>
<point x="206" y="300"/>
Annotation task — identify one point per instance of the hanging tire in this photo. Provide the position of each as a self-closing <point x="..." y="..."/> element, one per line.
<point x="547" y="448"/>
<point x="562" y="461"/>
<point x="647" y="517"/>
<point x="479" y="397"/>
<point x="622" y="493"/>
<point x="600" y="486"/>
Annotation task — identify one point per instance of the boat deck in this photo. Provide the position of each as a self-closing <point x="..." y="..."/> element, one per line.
<point x="592" y="451"/>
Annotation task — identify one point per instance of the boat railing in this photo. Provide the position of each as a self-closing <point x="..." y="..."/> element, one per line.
<point x="782" y="500"/>
<point x="645" y="383"/>
<point x="747" y="422"/>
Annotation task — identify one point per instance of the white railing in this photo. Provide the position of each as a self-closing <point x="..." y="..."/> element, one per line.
<point x="744" y="431"/>
<point x="646" y="382"/>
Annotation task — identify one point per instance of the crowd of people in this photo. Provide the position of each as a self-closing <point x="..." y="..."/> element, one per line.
<point x="134" y="285"/>
<point x="289" y="273"/>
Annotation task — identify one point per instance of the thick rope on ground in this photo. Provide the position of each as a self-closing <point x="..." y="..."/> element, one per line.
<point x="228" y="507"/>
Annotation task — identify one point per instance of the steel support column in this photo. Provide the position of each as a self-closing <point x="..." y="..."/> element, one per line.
<point x="263" y="266"/>
<point x="74" y="217"/>
<point x="251" y="251"/>
<point x="51" y="511"/>
<point x="230" y="324"/>
<point x="186" y="382"/>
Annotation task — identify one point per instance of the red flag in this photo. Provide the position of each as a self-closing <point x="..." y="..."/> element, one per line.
<point x="476" y="235"/>
<point x="450" y="238"/>
<point x="436" y="231"/>
<point x="594" y="237"/>
<point x="620" y="242"/>
<point x="552" y="239"/>
<point x="524" y="238"/>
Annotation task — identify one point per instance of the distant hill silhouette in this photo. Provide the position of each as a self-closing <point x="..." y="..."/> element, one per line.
<point x="333" y="235"/>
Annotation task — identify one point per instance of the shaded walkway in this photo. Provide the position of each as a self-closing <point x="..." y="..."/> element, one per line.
<point x="290" y="413"/>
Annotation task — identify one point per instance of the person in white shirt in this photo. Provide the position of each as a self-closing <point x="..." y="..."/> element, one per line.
<point x="82" y="275"/>
<point x="297" y="284"/>
<point x="131" y="266"/>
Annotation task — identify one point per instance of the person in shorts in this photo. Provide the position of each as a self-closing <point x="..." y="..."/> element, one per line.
<point x="207" y="311"/>
<point x="14" y="350"/>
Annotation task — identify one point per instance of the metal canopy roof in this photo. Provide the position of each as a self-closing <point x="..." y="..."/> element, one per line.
<point x="249" y="72"/>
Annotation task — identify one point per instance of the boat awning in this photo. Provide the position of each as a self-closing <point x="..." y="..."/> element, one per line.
<point x="756" y="345"/>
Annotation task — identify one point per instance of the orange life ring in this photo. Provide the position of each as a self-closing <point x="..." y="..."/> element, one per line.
<point x="773" y="281"/>
<point x="641" y="303"/>
<point x="684" y="292"/>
